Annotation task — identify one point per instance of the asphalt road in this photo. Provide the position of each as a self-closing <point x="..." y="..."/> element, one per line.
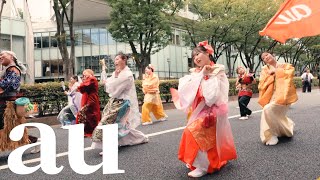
<point x="293" y="158"/>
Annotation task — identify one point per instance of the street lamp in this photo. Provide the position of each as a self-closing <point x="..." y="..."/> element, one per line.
<point x="168" y="60"/>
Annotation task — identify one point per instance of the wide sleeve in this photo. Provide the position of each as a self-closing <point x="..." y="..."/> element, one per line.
<point x="265" y="79"/>
<point x="87" y="86"/>
<point x="11" y="81"/>
<point x="287" y="72"/>
<point x="215" y="89"/>
<point x="151" y="85"/>
<point x="116" y="86"/>
<point x="286" y="92"/>
<point x="73" y="90"/>
<point x="188" y="87"/>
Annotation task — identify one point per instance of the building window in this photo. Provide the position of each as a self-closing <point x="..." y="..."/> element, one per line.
<point x="171" y="40"/>
<point x="78" y="37"/>
<point x="45" y="41"/>
<point x="86" y="37"/>
<point x="95" y="36"/>
<point x="37" y="40"/>
<point x="110" y="39"/>
<point x="52" y="68"/>
<point x="88" y="62"/>
<point x="95" y="66"/>
<point x="53" y="40"/>
<point x="68" y="40"/>
<point x="46" y="69"/>
<point x="103" y="36"/>
<point x="109" y="63"/>
<point x="5" y="42"/>
<point x="177" y="40"/>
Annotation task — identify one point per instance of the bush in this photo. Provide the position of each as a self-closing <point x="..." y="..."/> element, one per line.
<point x="51" y="99"/>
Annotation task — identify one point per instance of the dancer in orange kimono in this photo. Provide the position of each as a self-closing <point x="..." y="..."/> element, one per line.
<point x="276" y="93"/>
<point x="89" y="113"/>
<point x="207" y="142"/>
<point x="152" y="101"/>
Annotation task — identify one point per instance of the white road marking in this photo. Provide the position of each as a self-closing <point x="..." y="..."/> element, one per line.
<point x="89" y="148"/>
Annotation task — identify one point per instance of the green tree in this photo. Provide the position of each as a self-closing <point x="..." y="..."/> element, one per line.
<point x="214" y="24"/>
<point x="299" y="52"/>
<point x="144" y="24"/>
<point x="310" y="53"/>
<point x="64" y="10"/>
<point x="234" y="23"/>
<point x="252" y="16"/>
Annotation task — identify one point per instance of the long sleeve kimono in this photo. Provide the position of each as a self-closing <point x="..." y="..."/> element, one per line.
<point x="10" y="80"/>
<point x="207" y="141"/>
<point x="276" y="93"/>
<point x="123" y="87"/>
<point x="74" y="98"/>
<point x="123" y="109"/>
<point x="89" y="114"/>
<point x="152" y="101"/>
<point x="69" y="113"/>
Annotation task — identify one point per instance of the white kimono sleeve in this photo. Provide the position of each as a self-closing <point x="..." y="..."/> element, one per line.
<point x="215" y="89"/>
<point x="116" y="86"/>
<point x="188" y="87"/>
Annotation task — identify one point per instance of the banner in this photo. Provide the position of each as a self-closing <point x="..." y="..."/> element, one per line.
<point x="294" y="19"/>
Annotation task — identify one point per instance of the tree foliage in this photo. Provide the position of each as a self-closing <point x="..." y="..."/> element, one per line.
<point x="144" y="24"/>
<point x="233" y="23"/>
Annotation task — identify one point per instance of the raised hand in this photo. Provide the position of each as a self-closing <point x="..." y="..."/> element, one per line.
<point x="207" y="69"/>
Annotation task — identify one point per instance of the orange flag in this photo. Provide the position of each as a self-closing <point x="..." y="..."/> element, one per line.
<point x="294" y="19"/>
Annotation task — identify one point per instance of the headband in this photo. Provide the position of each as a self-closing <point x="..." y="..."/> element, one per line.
<point x="207" y="46"/>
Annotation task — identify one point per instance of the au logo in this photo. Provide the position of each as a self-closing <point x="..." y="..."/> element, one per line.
<point x="296" y="13"/>
<point x="75" y="150"/>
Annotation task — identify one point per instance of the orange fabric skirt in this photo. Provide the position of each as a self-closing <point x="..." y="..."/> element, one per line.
<point x="189" y="149"/>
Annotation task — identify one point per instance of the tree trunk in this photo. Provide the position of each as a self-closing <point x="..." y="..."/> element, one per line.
<point x="61" y="14"/>
<point x="64" y="53"/>
<point x="70" y="71"/>
<point x="140" y="73"/>
<point x="145" y="59"/>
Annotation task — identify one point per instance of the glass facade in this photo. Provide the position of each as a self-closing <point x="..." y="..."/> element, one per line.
<point x="94" y="44"/>
<point x="93" y="36"/>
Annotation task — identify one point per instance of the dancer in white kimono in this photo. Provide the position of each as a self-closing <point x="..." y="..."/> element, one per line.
<point x="69" y="113"/>
<point x="122" y="107"/>
<point x="207" y="142"/>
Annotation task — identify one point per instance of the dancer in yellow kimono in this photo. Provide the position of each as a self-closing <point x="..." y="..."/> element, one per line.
<point x="152" y="101"/>
<point x="276" y="93"/>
